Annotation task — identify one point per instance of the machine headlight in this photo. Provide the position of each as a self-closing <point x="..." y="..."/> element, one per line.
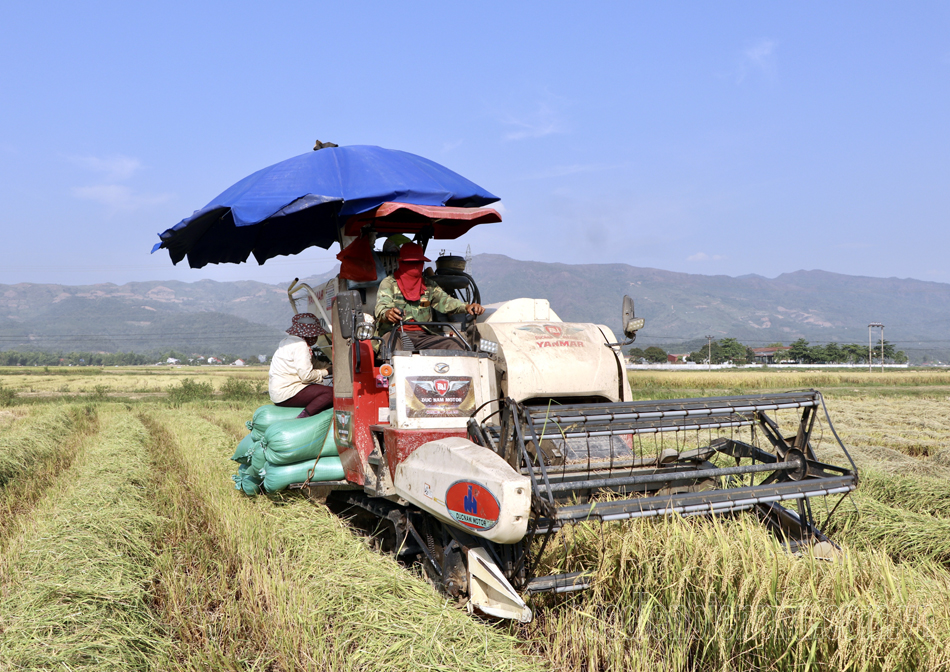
<point x="364" y="331"/>
<point x="488" y="346"/>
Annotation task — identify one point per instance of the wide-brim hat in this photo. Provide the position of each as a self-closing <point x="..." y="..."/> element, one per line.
<point x="412" y="252"/>
<point x="305" y="325"/>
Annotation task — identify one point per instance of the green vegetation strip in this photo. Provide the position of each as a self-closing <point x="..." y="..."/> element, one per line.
<point x="682" y="594"/>
<point x="32" y="455"/>
<point x="315" y="596"/>
<point x="73" y="583"/>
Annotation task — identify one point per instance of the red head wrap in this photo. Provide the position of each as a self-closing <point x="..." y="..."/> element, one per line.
<point x="409" y="274"/>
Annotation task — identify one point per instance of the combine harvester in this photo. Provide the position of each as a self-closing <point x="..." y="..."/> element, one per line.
<point x="471" y="460"/>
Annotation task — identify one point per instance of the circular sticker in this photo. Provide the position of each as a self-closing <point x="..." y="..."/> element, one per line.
<point x="473" y="505"/>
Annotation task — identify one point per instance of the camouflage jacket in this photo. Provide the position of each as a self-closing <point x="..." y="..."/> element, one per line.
<point x="388" y="296"/>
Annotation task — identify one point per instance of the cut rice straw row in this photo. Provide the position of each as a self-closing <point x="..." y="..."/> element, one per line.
<point x="73" y="583"/>
<point x="32" y="455"/>
<point x="316" y="596"/>
<point x="679" y="594"/>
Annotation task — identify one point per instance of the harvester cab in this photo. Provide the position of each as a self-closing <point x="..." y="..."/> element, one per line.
<point x="471" y="460"/>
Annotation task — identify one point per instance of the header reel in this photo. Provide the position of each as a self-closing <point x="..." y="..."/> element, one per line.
<point x="642" y="459"/>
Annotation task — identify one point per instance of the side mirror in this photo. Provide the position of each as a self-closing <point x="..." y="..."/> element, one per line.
<point x="631" y="324"/>
<point x="349" y="308"/>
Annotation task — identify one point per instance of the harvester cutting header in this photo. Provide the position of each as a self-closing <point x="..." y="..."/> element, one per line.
<point x="472" y="447"/>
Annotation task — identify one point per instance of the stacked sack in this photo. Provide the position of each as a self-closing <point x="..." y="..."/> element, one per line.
<point x="282" y="449"/>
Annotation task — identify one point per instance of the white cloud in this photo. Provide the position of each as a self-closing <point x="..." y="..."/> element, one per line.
<point x="702" y="256"/>
<point x="118" y="197"/>
<point x="449" y="146"/>
<point x="757" y="57"/>
<point x="115" y="168"/>
<point x="544" y="122"/>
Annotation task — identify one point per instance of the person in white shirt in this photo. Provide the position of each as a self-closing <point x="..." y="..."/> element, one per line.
<point x="293" y="381"/>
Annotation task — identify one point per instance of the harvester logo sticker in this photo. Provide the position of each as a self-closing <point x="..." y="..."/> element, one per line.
<point x="438" y="397"/>
<point x="473" y="505"/>
<point x="556" y="335"/>
<point x="343" y="428"/>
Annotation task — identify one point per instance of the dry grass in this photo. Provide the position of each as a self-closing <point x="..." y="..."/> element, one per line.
<point x="142" y="381"/>
<point x="73" y="582"/>
<point x="682" y="594"/>
<point x="906" y="536"/>
<point x="125" y="545"/>
<point x="309" y="593"/>
<point x="784" y="379"/>
<point x="10" y="416"/>
<point x="32" y="456"/>
<point x="896" y="435"/>
<point x="920" y="494"/>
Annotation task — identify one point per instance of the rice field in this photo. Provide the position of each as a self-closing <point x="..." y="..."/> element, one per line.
<point x="123" y="545"/>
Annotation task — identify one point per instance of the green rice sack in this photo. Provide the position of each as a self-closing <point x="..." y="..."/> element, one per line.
<point x="257" y="459"/>
<point x="265" y="416"/>
<point x="246" y="482"/>
<point x="279" y="476"/>
<point x="244" y="450"/>
<point x="251" y="485"/>
<point x="290" y="441"/>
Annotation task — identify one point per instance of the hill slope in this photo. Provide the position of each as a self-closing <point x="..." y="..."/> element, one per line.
<point x="248" y="316"/>
<point x="815" y="305"/>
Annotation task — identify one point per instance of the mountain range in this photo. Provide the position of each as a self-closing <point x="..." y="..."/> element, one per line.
<point x="680" y="309"/>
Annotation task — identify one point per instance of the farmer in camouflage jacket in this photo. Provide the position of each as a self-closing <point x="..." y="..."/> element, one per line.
<point x="409" y="296"/>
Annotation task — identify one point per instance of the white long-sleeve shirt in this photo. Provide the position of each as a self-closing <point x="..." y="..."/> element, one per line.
<point x="291" y="369"/>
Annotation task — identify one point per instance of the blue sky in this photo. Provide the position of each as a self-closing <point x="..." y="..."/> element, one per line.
<point x="714" y="138"/>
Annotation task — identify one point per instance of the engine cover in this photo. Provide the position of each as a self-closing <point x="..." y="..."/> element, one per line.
<point x="547" y="360"/>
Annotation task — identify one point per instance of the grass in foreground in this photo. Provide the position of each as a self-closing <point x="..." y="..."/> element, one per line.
<point x="32" y="456"/>
<point x="698" y="595"/>
<point x="73" y="583"/>
<point x="203" y="578"/>
<point x="311" y="594"/>
<point x="906" y="536"/>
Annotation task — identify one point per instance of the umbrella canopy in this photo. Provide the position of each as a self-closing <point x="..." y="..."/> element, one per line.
<point x="300" y="202"/>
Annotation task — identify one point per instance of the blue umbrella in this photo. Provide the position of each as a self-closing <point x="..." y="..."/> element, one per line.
<point x="300" y="202"/>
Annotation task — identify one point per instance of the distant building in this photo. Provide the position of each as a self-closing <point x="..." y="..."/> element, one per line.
<point x="771" y="355"/>
<point x="213" y="360"/>
<point x="170" y="360"/>
<point x="677" y="358"/>
<point x="238" y="362"/>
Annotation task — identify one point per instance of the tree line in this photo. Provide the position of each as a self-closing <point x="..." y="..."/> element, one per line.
<point x="16" y="358"/>
<point x="800" y="352"/>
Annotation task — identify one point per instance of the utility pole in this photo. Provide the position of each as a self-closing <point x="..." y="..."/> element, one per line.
<point x="871" y="326"/>
<point x="709" y="356"/>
